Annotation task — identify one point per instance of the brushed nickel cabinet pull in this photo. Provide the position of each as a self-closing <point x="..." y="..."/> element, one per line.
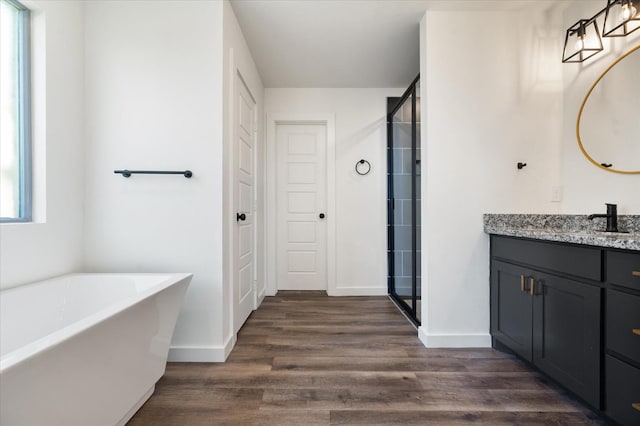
<point x="636" y="331"/>
<point x="636" y="405"/>
<point x="522" y="280"/>
<point x="533" y="287"/>
<point x="635" y="273"/>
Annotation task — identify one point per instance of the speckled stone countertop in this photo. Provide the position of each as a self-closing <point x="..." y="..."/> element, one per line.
<point x="576" y="229"/>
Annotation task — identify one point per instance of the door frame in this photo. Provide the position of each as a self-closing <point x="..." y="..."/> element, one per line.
<point x="273" y="120"/>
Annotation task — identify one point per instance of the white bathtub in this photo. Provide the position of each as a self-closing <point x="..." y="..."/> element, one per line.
<point x="85" y="349"/>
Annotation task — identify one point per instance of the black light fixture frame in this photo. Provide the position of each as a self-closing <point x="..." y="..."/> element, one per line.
<point x="581" y="25"/>
<point x="607" y="15"/>
<point x="580" y="29"/>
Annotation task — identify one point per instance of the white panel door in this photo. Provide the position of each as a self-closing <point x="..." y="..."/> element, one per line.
<point x="301" y="203"/>
<point x="244" y="292"/>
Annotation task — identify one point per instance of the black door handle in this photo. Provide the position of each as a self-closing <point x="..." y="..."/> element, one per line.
<point x="241" y="216"/>
<point x="321" y="215"/>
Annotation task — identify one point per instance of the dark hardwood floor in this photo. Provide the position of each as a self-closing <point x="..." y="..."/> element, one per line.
<point x="307" y="359"/>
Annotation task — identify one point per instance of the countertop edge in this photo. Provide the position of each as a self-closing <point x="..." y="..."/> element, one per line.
<point x="582" y="238"/>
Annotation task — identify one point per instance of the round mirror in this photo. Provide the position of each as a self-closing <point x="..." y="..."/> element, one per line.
<point x="608" y="127"/>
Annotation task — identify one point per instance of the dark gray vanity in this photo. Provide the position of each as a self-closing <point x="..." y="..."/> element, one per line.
<point x="566" y="298"/>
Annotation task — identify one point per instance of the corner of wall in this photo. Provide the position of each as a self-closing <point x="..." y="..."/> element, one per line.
<point x="202" y="353"/>
<point x="481" y="340"/>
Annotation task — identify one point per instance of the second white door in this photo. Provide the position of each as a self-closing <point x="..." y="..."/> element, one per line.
<point x="301" y="207"/>
<point x="244" y="292"/>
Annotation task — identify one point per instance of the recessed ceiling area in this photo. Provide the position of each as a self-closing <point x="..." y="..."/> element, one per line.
<point x="342" y="43"/>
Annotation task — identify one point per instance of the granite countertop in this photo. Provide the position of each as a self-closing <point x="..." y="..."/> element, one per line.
<point x="576" y="229"/>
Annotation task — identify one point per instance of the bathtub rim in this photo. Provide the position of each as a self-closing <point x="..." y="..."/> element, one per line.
<point x="51" y="340"/>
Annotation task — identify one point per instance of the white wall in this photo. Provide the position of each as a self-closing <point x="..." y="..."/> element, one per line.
<point x="154" y="101"/>
<point x="586" y="187"/>
<point x="361" y="218"/>
<point x="237" y="59"/>
<point x="490" y="99"/>
<point x="52" y="245"/>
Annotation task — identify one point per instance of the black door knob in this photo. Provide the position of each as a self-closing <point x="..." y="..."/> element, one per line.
<point x="241" y="216"/>
<point x="321" y="215"/>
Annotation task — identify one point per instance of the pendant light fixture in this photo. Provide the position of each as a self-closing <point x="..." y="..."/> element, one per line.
<point x="621" y="18"/>
<point x="583" y="39"/>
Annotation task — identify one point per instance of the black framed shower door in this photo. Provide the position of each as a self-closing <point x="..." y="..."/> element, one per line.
<point x="403" y="201"/>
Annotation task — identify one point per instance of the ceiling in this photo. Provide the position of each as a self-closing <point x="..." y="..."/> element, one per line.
<point x="342" y="43"/>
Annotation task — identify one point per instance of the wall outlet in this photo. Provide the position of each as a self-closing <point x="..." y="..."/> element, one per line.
<point x="556" y="194"/>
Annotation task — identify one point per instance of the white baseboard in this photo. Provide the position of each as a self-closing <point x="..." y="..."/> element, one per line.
<point x="202" y="353"/>
<point x="454" y="340"/>
<point x="262" y="294"/>
<point x="358" y="291"/>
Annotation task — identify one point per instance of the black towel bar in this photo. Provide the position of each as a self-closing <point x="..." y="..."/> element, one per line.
<point x="128" y="173"/>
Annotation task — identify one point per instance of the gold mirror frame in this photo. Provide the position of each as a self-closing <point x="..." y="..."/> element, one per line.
<point x="593" y="86"/>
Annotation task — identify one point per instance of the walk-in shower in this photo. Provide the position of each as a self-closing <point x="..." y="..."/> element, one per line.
<point x="403" y="200"/>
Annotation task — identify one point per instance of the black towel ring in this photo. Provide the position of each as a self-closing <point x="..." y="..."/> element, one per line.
<point x="363" y="167"/>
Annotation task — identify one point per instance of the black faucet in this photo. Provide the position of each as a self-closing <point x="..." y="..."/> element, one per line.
<point x="612" y="217"/>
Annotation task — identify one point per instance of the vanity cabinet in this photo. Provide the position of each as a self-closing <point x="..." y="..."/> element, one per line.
<point x="550" y="320"/>
<point x="622" y="337"/>
<point x="572" y="311"/>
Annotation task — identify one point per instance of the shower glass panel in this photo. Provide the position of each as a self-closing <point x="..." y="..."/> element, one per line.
<point x="403" y="175"/>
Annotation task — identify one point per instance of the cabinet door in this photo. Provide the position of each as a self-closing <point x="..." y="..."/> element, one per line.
<point x="622" y="391"/>
<point x="511" y="313"/>
<point x="566" y="334"/>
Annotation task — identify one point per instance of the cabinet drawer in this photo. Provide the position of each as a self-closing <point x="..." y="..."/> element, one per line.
<point x="623" y="269"/>
<point x="622" y="392"/>
<point x="623" y="324"/>
<point x="580" y="261"/>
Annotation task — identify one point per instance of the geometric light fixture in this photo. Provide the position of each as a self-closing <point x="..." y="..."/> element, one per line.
<point x="582" y="40"/>
<point x="621" y="18"/>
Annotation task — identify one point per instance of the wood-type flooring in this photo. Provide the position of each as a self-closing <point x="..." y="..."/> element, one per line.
<point x="307" y="359"/>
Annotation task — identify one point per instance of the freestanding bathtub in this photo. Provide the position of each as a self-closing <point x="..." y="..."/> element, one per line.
<point x="85" y="349"/>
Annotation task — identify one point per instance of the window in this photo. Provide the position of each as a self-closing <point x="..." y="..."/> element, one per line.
<point x="15" y="113"/>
